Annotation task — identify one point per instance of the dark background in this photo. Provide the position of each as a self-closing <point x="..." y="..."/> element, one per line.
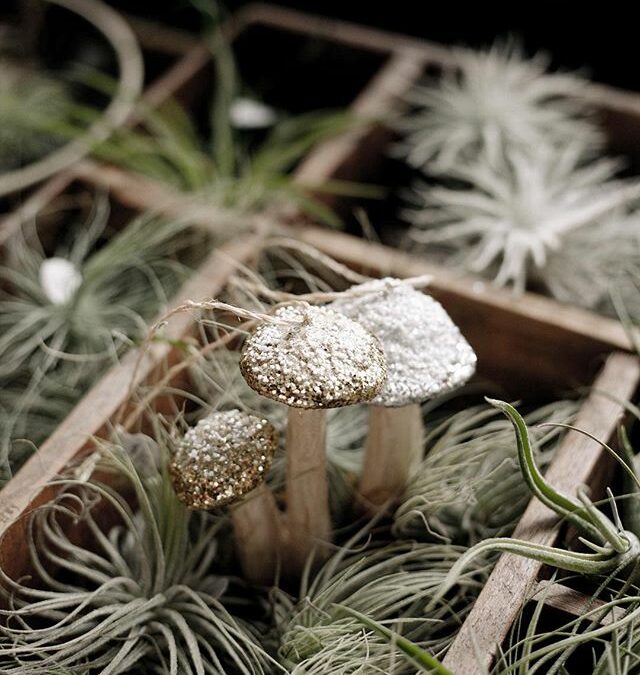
<point x="602" y="40"/>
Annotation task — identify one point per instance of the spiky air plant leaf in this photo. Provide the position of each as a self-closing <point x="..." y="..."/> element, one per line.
<point x="64" y="319"/>
<point x="468" y="486"/>
<point x="29" y="102"/>
<point x="613" y="550"/>
<point x="143" y="597"/>
<point x="492" y="103"/>
<point x="517" y="223"/>
<point x="389" y="583"/>
<point x="414" y="654"/>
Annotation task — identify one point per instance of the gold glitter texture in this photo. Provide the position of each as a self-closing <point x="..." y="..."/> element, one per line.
<point x="313" y="358"/>
<point x="222" y="458"/>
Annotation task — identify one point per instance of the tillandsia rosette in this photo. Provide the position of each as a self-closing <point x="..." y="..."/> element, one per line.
<point x="523" y="224"/>
<point x="388" y="583"/>
<point x="151" y="593"/>
<point x="491" y="103"/>
<point x="603" y="640"/>
<point x="233" y="175"/>
<point x="65" y="318"/>
<point x="516" y="184"/>
<point x="468" y="486"/>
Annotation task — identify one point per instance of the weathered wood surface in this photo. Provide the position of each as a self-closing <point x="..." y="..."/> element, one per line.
<point x="572" y="602"/>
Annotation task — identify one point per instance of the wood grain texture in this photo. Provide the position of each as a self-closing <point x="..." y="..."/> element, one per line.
<point x="574" y="463"/>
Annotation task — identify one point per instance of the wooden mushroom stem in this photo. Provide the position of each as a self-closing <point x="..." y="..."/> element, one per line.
<point x="308" y="515"/>
<point x="256" y="525"/>
<point x="393" y="449"/>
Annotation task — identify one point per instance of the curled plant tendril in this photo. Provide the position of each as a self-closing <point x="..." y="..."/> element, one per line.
<point x="614" y="549"/>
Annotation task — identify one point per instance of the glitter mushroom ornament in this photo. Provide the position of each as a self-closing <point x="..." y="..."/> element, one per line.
<point x="310" y="358"/>
<point x="426" y="356"/>
<point x="223" y="461"/>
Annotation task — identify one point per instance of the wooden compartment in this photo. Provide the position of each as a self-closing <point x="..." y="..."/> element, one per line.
<point x="532" y="345"/>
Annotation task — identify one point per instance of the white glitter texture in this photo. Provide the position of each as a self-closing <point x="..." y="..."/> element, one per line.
<point x="321" y="359"/>
<point x="426" y="353"/>
<point x="222" y="458"/>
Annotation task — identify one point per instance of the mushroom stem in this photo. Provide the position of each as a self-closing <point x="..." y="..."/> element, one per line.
<point x="308" y="515"/>
<point x="256" y="530"/>
<point x="393" y="448"/>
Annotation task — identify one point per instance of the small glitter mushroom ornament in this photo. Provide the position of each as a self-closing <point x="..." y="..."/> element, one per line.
<point x="311" y="358"/>
<point x="426" y="356"/>
<point x="223" y="461"/>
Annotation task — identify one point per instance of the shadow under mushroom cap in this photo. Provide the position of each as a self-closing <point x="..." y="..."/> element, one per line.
<point x="313" y="358"/>
<point x="426" y="353"/>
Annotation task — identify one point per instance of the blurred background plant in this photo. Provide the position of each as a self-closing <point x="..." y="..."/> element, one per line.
<point x="65" y="318"/>
<point x="515" y="185"/>
<point x="29" y="101"/>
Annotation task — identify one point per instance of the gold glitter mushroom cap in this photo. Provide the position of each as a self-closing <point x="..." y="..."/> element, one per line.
<point x="426" y="353"/>
<point x="225" y="456"/>
<point x="313" y="357"/>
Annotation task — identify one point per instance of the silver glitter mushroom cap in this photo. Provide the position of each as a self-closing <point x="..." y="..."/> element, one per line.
<point x="425" y="351"/>
<point x="313" y="357"/>
<point x="222" y="458"/>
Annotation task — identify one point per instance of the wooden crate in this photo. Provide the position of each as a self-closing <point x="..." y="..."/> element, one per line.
<point x="513" y="581"/>
<point x="531" y="345"/>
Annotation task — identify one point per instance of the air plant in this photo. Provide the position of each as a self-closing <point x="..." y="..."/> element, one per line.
<point x="125" y="92"/>
<point x="468" y="487"/>
<point x="614" y="550"/>
<point x="28" y="101"/>
<point x="145" y="597"/>
<point x="519" y="223"/>
<point x="388" y="583"/>
<point x="66" y="317"/>
<point x="606" y="631"/>
<point x="247" y="178"/>
<point x="492" y="104"/>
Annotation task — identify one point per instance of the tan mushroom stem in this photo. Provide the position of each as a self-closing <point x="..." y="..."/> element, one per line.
<point x="256" y="528"/>
<point x="308" y="514"/>
<point x="393" y="449"/>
